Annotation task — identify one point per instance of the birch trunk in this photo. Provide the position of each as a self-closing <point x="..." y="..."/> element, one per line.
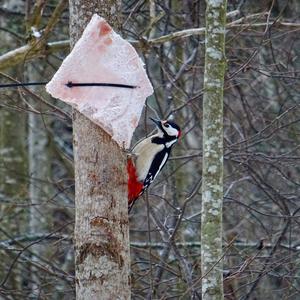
<point x="212" y="189"/>
<point x="101" y="224"/>
<point x="39" y="169"/>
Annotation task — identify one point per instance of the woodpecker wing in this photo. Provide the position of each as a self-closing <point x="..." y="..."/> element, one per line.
<point x="157" y="164"/>
<point x="145" y="153"/>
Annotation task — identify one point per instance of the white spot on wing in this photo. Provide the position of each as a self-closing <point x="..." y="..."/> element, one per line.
<point x="169" y="144"/>
<point x="162" y="164"/>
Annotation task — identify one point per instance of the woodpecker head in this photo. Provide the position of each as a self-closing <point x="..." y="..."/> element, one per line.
<point x="167" y="129"/>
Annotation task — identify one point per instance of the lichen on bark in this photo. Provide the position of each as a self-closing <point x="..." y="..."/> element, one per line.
<point x="212" y="187"/>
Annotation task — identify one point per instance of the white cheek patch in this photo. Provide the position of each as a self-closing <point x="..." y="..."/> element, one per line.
<point x="171" y="131"/>
<point x="160" y="133"/>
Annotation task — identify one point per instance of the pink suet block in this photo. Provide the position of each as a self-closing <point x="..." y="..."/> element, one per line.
<point x="102" y="56"/>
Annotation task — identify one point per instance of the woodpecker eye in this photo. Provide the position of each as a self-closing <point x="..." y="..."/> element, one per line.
<point x="167" y="125"/>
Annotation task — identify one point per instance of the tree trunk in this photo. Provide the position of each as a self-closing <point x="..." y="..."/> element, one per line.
<point x="101" y="224"/>
<point x="212" y="188"/>
<point x="39" y="169"/>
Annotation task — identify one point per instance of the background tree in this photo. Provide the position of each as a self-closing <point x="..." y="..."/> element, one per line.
<point x="212" y="172"/>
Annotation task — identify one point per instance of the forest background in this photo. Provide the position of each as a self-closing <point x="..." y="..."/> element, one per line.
<point x="261" y="152"/>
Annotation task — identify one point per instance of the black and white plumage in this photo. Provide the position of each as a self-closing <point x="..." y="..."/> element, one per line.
<point x="151" y="154"/>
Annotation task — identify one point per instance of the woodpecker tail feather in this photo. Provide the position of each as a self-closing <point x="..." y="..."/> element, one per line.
<point x="135" y="187"/>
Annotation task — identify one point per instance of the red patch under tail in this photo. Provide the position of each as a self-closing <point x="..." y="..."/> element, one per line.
<point x="135" y="187"/>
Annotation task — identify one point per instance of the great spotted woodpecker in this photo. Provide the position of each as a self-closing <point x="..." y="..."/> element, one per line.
<point x="149" y="157"/>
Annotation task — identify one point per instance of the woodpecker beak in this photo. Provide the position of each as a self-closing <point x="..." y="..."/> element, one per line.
<point x="157" y="122"/>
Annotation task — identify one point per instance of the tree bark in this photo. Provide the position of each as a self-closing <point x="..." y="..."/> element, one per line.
<point x="101" y="218"/>
<point x="212" y="188"/>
